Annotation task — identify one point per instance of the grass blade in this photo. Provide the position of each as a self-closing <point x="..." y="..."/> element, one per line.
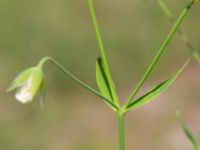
<point x="156" y="91"/>
<point x="187" y="132"/>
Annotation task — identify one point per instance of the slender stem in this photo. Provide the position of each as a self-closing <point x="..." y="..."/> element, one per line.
<point x="160" y="52"/>
<point x="121" y="121"/>
<point x="102" y="50"/>
<point x="43" y="61"/>
<point x="71" y="76"/>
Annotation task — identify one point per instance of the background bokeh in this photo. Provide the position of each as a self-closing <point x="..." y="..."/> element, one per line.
<point x="72" y="118"/>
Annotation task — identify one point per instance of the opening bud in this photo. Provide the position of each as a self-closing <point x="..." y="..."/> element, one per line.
<point x="27" y="84"/>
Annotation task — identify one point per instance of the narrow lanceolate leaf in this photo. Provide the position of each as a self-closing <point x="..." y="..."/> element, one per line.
<point x="102" y="80"/>
<point x="188" y="133"/>
<point x="156" y="91"/>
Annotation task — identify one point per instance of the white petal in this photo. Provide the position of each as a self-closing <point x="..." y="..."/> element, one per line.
<point x="24" y="97"/>
<point x="23" y="94"/>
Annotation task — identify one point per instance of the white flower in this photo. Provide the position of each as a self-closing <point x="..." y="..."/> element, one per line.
<point x="27" y="84"/>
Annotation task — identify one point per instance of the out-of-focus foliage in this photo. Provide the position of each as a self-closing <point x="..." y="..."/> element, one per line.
<point x="193" y="141"/>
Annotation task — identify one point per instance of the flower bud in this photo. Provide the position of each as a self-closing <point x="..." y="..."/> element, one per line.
<point x="27" y="84"/>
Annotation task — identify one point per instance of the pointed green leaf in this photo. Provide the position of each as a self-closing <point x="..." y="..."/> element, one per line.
<point x="102" y="80"/>
<point x="188" y="133"/>
<point x="156" y="91"/>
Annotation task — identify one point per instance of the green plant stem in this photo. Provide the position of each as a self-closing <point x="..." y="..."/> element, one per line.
<point x="102" y="50"/>
<point x="71" y="76"/>
<point x="159" y="53"/>
<point x="121" y="119"/>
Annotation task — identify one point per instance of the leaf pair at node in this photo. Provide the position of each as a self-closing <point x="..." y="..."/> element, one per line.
<point x="104" y="87"/>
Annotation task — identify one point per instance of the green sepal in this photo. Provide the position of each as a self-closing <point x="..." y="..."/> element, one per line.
<point x="156" y="91"/>
<point x="42" y="93"/>
<point x="37" y="79"/>
<point x="20" y="79"/>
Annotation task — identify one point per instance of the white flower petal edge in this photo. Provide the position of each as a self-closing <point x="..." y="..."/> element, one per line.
<point x="23" y="93"/>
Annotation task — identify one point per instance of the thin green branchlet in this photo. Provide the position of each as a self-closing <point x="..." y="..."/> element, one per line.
<point x="46" y="59"/>
<point x="159" y="53"/>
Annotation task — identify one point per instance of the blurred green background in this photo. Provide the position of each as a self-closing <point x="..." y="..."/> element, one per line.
<point x="72" y="118"/>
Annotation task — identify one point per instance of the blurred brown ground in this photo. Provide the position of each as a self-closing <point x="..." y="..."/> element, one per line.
<point x="72" y="118"/>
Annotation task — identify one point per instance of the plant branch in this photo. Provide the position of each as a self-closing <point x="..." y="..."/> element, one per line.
<point x="160" y="52"/>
